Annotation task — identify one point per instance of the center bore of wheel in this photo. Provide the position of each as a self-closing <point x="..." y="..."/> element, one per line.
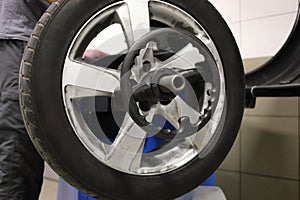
<point x="161" y="86"/>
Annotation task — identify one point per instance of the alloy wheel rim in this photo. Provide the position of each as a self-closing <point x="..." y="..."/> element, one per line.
<point x="80" y="79"/>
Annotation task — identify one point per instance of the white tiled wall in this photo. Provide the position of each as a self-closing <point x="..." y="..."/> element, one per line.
<point x="264" y="161"/>
<point x="263" y="37"/>
<point x="254" y="9"/>
<point x="260" y="27"/>
<point x="230" y="9"/>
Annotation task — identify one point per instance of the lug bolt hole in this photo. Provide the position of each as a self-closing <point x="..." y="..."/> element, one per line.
<point x="146" y="66"/>
<point x="144" y="106"/>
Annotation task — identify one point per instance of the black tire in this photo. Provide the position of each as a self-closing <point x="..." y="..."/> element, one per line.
<point x="50" y="130"/>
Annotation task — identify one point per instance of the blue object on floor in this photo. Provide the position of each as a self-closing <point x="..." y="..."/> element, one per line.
<point x="210" y="181"/>
<point x="82" y="196"/>
<point x="66" y="191"/>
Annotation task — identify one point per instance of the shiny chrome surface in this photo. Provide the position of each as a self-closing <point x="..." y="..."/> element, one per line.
<point x="80" y="80"/>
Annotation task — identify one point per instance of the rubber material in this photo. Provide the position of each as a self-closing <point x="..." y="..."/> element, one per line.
<point x="49" y="128"/>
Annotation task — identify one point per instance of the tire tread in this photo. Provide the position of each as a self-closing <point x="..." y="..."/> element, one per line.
<point x="29" y="116"/>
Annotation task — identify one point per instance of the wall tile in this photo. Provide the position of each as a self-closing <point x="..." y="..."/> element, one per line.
<point x="232" y="161"/>
<point x="229" y="9"/>
<point x="264" y="188"/>
<point x="229" y="182"/>
<point x="254" y="63"/>
<point x="275" y="107"/>
<point x="269" y="146"/>
<point x="264" y="37"/>
<point x="236" y="31"/>
<point x="257" y="8"/>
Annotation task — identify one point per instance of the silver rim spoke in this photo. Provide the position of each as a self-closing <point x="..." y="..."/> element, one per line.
<point x="185" y="59"/>
<point x="198" y="140"/>
<point x="170" y="113"/>
<point x="89" y="77"/>
<point x="186" y="110"/>
<point x="126" y="151"/>
<point x="78" y="92"/>
<point x="176" y="109"/>
<point x="134" y="18"/>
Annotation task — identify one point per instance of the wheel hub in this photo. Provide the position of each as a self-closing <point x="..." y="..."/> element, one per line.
<point x="145" y="86"/>
<point x="160" y="86"/>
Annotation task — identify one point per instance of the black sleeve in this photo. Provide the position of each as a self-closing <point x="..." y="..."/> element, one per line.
<point x="38" y="7"/>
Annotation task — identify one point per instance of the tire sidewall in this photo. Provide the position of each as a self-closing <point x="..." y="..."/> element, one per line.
<point x="73" y="159"/>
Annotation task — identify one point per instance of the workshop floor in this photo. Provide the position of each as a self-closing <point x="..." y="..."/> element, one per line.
<point x="49" y="190"/>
